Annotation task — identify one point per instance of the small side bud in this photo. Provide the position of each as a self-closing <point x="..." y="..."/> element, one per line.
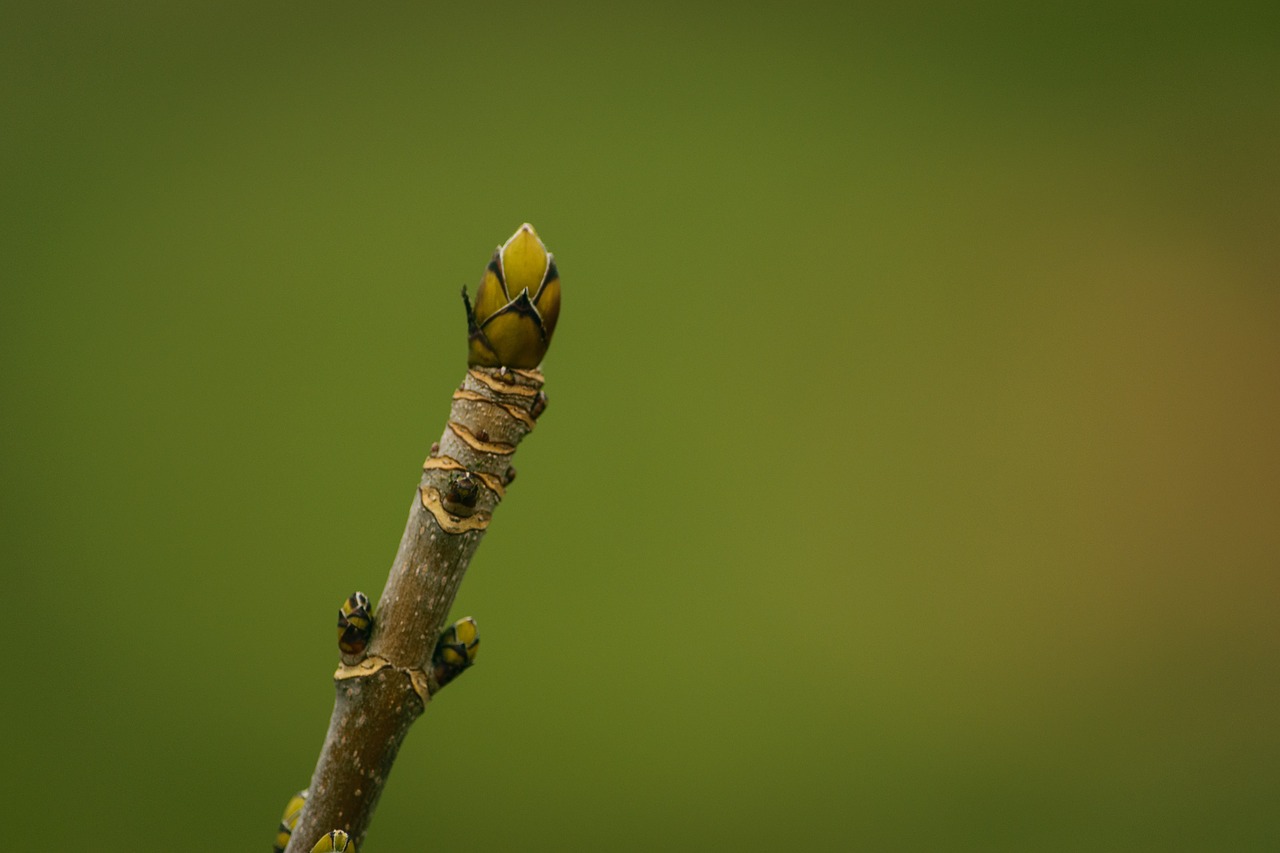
<point x="461" y="495"/>
<point x="456" y="650"/>
<point x="355" y="625"/>
<point x="335" y="842"/>
<point x="289" y="821"/>
<point x="539" y="405"/>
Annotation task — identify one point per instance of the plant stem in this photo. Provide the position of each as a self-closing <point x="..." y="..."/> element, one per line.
<point x="380" y="696"/>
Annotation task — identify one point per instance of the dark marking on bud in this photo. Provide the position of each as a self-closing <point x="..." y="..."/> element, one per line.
<point x="495" y="267"/>
<point x="474" y="333"/>
<point x="523" y="306"/>
<point x="472" y="328"/>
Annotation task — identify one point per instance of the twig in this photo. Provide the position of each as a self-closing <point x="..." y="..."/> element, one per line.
<point x="383" y="688"/>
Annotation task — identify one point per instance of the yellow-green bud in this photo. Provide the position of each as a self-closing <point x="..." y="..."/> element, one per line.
<point x="455" y="650"/>
<point x="355" y="624"/>
<point x="517" y="305"/>
<point x="289" y="821"/>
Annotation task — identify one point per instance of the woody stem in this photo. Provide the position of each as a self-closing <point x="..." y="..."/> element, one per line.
<point x="380" y="697"/>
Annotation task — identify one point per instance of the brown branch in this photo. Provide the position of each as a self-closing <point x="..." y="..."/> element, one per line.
<point x="380" y="695"/>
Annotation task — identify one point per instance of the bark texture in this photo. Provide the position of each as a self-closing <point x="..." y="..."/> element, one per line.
<point x="380" y="696"/>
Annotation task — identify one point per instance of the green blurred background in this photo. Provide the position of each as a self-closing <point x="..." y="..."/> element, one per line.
<point x="910" y="479"/>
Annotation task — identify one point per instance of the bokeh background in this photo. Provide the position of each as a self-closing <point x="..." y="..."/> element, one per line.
<point x="910" y="479"/>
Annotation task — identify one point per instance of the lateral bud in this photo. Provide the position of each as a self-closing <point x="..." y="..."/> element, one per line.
<point x="335" y="842"/>
<point x="289" y="821"/>
<point x="355" y="626"/>
<point x="456" y="650"/>
<point x="460" y="496"/>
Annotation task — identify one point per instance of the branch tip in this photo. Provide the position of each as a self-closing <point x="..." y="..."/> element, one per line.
<point x="517" y="305"/>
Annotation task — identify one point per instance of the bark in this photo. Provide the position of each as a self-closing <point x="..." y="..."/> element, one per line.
<point x="380" y="695"/>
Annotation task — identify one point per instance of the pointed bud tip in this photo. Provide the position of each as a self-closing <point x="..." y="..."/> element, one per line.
<point x="524" y="233"/>
<point x="524" y="262"/>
